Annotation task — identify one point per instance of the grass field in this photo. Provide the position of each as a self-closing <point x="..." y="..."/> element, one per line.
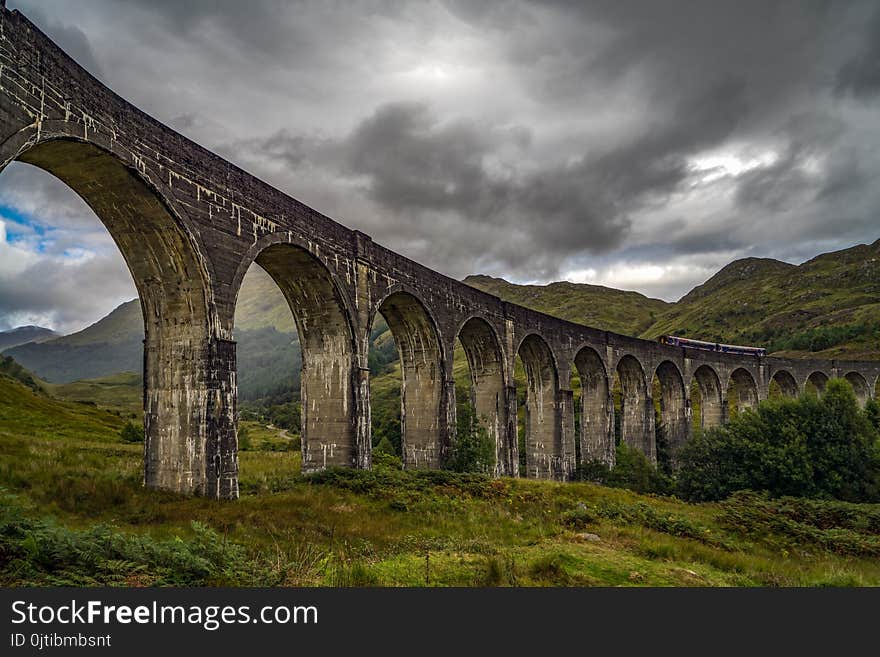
<point x="73" y="511"/>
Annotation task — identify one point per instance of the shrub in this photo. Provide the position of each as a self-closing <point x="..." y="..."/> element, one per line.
<point x="244" y="439"/>
<point x="132" y="433"/>
<point x="803" y="447"/>
<point x="631" y="470"/>
<point x="473" y="449"/>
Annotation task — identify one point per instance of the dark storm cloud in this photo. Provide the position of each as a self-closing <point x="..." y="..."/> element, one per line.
<point x="860" y="75"/>
<point x="415" y="166"/>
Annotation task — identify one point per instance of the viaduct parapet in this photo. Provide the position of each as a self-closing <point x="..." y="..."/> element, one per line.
<point x="189" y="225"/>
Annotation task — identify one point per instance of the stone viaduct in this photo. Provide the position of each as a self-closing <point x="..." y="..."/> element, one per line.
<point x="189" y="224"/>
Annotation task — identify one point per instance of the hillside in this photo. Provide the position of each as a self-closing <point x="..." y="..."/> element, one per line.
<point x="620" y="311"/>
<point x="73" y="512"/>
<point x="25" y="334"/>
<point x="828" y="307"/>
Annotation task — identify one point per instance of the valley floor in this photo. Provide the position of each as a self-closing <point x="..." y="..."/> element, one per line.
<point x="73" y="512"/>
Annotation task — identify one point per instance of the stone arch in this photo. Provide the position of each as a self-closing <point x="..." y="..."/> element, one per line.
<point x="422" y="366"/>
<point x="673" y="406"/>
<point x="818" y="380"/>
<point x="786" y="382"/>
<point x="328" y="384"/>
<point x="711" y="397"/>
<point x="596" y="411"/>
<point x="859" y="385"/>
<point x="543" y="440"/>
<point x="636" y="413"/>
<point x="488" y="396"/>
<point x="744" y="388"/>
<point x="189" y="393"/>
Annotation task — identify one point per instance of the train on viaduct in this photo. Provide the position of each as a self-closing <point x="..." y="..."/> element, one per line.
<point x="189" y="225"/>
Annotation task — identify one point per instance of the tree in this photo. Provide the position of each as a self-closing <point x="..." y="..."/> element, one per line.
<point x="473" y="449"/>
<point x="244" y="439"/>
<point x="804" y="447"/>
<point x="132" y="433"/>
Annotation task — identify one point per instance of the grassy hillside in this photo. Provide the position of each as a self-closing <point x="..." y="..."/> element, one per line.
<point x="620" y="311"/>
<point x="123" y="391"/>
<point x="73" y="512"/>
<point x="828" y="307"/>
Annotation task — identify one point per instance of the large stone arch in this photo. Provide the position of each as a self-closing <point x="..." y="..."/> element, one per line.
<point x="422" y="366"/>
<point x="711" y="397"/>
<point x="597" y="412"/>
<point x="818" y="380"/>
<point x="329" y="381"/>
<point x="488" y="394"/>
<point x="543" y="435"/>
<point x="787" y="384"/>
<point x="673" y="405"/>
<point x="637" y="413"/>
<point x="189" y="391"/>
<point x="745" y="387"/>
<point x="859" y="385"/>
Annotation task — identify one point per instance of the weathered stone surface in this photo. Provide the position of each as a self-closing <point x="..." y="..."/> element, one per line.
<point x="190" y="224"/>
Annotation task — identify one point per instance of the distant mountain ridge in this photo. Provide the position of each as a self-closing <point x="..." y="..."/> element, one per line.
<point x="25" y="334"/>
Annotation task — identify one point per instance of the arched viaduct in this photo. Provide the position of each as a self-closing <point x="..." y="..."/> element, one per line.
<point x="189" y="224"/>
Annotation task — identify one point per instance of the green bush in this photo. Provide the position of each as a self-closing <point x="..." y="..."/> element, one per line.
<point x="806" y="447"/>
<point x="132" y="433"/>
<point x="631" y="470"/>
<point x="244" y="439"/>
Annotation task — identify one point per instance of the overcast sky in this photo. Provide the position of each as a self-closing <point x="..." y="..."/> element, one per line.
<point x="640" y="145"/>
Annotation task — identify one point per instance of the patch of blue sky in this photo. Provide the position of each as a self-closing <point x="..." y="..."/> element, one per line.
<point x="24" y="229"/>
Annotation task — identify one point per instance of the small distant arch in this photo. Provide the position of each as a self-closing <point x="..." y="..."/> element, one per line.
<point x="816" y="382"/>
<point x="636" y="413"/>
<point x="742" y="391"/>
<point x="671" y="406"/>
<point x="784" y="379"/>
<point x="711" y="405"/>
<point x="596" y="416"/>
<point x="485" y="360"/>
<point x="418" y="343"/>
<point x="859" y="385"/>
<point x="543" y="440"/>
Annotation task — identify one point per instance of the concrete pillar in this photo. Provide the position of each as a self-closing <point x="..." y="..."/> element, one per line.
<point x="190" y="416"/>
<point x="448" y="424"/>
<point x="363" y="418"/>
<point x="564" y="459"/>
<point x="511" y="433"/>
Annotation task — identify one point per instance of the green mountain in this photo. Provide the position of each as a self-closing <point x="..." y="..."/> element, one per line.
<point x="25" y="334"/>
<point x="827" y="307"/>
<point x="620" y="311"/>
<point x="113" y="344"/>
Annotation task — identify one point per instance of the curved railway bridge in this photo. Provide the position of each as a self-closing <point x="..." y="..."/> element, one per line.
<point x="189" y="224"/>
